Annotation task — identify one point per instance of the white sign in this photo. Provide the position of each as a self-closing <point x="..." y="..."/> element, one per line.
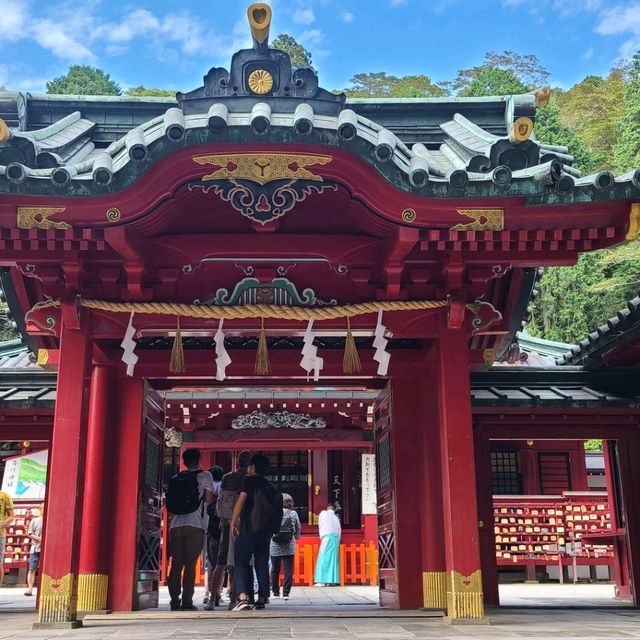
<point x="369" y="489"/>
<point x="25" y="477"/>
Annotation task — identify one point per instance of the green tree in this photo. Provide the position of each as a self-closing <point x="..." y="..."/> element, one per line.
<point x="525" y="68"/>
<point x="494" y="82"/>
<point x="592" y="109"/>
<point x="550" y="130"/>
<point x="300" y="57"/>
<point x="593" y="445"/>
<point x="84" y="80"/>
<point x="141" y="91"/>
<point x="7" y="332"/>
<point x="382" y="85"/>
<point x="626" y="152"/>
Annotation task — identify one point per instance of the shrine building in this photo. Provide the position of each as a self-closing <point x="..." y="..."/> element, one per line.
<point x="262" y="264"/>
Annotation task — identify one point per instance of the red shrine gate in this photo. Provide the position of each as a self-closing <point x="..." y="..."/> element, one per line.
<point x="265" y="201"/>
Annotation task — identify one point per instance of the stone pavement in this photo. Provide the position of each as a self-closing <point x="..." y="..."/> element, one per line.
<point x="324" y="614"/>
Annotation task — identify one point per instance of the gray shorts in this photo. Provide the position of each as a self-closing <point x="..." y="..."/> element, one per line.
<point x="3" y="544"/>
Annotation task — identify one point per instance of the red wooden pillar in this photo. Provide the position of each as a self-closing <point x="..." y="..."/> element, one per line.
<point x="125" y="486"/>
<point x="434" y="576"/>
<point x="462" y="549"/>
<point x="621" y="578"/>
<point x="628" y="455"/>
<point x="407" y="466"/>
<point x="93" y="579"/>
<point x="485" y="524"/>
<point x="59" y="582"/>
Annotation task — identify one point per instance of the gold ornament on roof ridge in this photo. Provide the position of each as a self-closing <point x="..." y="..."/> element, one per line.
<point x="39" y="218"/>
<point x="260" y="81"/>
<point x="263" y="167"/>
<point x="482" y="220"/>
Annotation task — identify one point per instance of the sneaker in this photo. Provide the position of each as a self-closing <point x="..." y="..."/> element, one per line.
<point x="276" y="595"/>
<point x="320" y="584"/>
<point x="205" y="600"/>
<point x="243" y="605"/>
<point x="188" y="607"/>
<point x="210" y="606"/>
<point x="175" y="606"/>
<point x="285" y="598"/>
<point x="258" y="605"/>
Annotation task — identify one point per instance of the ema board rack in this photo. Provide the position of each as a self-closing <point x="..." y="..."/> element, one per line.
<point x="544" y="530"/>
<point x="18" y="544"/>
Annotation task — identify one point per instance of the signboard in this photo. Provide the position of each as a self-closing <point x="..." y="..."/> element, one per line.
<point x="369" y="490"/>
<point x="25" y="477"/>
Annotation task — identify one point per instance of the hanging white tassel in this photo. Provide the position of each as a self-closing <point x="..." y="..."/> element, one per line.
<point x="381" y="356"/>
<point x="128" y="345"/>
<point x="310" y="360"/>
<point x="223" y="360"/>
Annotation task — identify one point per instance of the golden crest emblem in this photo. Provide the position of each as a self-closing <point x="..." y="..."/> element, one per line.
<point x="260" y="81"/>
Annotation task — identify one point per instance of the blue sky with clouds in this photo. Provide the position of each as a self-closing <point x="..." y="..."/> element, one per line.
<point x="163" y="43"/>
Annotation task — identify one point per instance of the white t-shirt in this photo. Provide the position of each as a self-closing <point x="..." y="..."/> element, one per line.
<point x="328" y="522"/>
<point x="198" y="518"/>
<point x="35" y="528"/>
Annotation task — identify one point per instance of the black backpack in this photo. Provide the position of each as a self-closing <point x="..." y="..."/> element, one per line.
<point x="285" y="535"/>
<point x="183" y="494"/>
<point x="266" y="510"/>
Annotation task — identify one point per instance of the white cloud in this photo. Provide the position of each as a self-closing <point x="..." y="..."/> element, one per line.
<point x="14" y="17"/>
<point x="312" y="36"/>
<point x="347" y="16"/>
<point x="304" y="16"/>
<point x="588" y="53"/>
<point x="622" y="19"/>
<point x="54" y="37"/>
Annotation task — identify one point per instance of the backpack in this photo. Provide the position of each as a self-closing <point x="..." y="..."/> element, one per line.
<point x="183" y="496"/>
<point x="285" y="535"/>
<point x="266" y="510"/>
<point x="225" y="503"/>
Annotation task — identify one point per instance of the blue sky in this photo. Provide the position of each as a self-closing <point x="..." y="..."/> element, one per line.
<point x="163" y="43"/>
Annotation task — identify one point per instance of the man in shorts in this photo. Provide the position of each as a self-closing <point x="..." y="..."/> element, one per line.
<point x="6" y="518"/>
<point x="35" y="534"/>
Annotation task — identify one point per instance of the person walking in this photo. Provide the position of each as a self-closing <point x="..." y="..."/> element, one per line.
<point x="6" y="518"/>
<point x="34" y="532"/>
<point x="213" y="538"/>
<point x="283" y="548"/>
<point x="327" y="568"/>
<point x="187" y="496"/>
<point x="229" y="492"/>
<point x="256" y="517"/>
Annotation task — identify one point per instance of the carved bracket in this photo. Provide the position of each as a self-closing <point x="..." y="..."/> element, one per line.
<point x="485" y="316"/>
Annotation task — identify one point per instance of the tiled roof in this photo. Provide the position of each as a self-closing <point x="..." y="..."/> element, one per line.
<point x="617" y="329"/>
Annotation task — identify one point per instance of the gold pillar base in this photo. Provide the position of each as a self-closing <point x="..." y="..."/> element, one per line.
<point x="58" y="599"/>
<point x="464" y="595"/>
<point x="92" y="591"/>
<point x="434" y="589"/>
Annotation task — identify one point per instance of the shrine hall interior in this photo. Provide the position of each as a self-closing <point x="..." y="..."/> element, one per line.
<point x="259" y="263"/>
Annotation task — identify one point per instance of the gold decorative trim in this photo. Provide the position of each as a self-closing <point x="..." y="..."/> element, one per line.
<point x="409" y="215"/>
<point x="488" y="356"/>
<point x="634" y="221"/>
<point x="39" y="218"/>
<point x="434" y="589"/>
<point x="5" y="132"/>
<point x="543" y="96"/>
<point x="58" y="599"/>
<point x="260" y="81"/>
<point x="43" y="357"/>
<point x="464" y="595"/>
<point x="262" y="167"/>
<point x="521" y="129"/>
<point x="113" y="214"/>
<point x="482" y="220"/>
<point x="92" y="591"/>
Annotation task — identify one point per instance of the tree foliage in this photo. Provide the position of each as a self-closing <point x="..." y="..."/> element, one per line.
<point x="592" y="109"/>
<point x="527" y="69"/>
<point x="382" y="85"/>
<point x="141" y="91"/>
<point x="300" y="57"/>
<point x="84" y="80"/>
<point x="493" y="81"/>
<point x="627" y="149"/>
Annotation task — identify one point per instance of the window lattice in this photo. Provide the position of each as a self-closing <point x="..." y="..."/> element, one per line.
<point x="506" y="478"/>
